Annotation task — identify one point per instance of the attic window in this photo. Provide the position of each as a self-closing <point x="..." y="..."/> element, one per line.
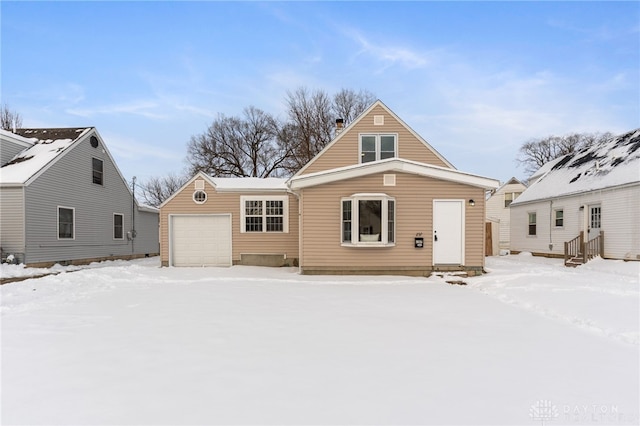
<point x="377" y="147"/>
<point x="199" y="197"/>
<point x="94" y="141"/>
<point x="98" y="168"/>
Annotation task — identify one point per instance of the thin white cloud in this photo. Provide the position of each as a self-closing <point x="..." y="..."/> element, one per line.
<point x="389" y="55"/>
<point x="144" y="108"/>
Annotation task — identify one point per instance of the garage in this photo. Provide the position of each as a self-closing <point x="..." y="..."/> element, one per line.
<point x="200" y="240"/>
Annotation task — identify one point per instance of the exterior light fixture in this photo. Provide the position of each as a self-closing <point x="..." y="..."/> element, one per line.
<point x="472" y="203"/>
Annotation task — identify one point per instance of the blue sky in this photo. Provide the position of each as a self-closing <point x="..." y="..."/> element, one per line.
<point x="475" y="79"/>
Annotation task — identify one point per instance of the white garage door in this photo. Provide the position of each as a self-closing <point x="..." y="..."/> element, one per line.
<point x="201" y="240"/>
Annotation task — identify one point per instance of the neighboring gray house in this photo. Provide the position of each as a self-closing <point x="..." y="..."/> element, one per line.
<point x="63" y="200"/>
<point x="589" y="199"/>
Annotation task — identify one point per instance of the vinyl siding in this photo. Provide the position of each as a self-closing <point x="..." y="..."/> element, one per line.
<point x="12" y="220"/>
<point x="147" y="233"/>
<point x="620" y="212"/>
<point x="8" y="150"/>
<point x="321" y="230"/>
<point x="346" y="151"/>
<point x="226" y="202"/>
<point x="68" y="183"/>
<point x="497" y="211"/>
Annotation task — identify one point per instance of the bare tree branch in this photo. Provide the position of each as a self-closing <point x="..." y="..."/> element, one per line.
<point x="9" y="120"/>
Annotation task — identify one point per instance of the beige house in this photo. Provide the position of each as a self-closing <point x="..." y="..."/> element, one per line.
<point x="499" y="212"/>
<point x="378" y="199"/>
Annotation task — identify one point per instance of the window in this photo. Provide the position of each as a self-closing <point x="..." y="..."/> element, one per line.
<point x="118" y="226"/>
<point x="264" y="214"/>
<point x="377" y="147"/>
<point x="532" y="223"/>
<point x="509" y="197"/>
<point x="368" y="220"/>
<point x="559" y="218"/>
<point x="199" y="197"/>
<point x="97" y="170"/>
<point x="65" y="223"/>
<point x="594" y="221"/>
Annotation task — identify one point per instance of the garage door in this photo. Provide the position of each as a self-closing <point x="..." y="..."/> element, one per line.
<point x="201" y="240"/>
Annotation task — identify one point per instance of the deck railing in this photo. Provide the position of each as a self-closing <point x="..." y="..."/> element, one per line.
<point x="583" y="251"/>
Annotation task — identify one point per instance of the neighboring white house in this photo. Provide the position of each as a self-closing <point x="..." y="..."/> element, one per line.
<point x="591" y="191"/>
<point x="498" y="210"/>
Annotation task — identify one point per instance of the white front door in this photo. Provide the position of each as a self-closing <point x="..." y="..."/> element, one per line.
<point x="448" y="232"/>
<point x="594" y="219"/>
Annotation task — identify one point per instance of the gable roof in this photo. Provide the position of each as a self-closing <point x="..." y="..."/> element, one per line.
<point x="377" y="103"/>
<point x="16" y="139"/>
<point x="237" y="184"/>
<point x="46" y="147"/>
<point x="391" y="165"/>
<point x="612" y="163"/>
<point x="512" y="181"/>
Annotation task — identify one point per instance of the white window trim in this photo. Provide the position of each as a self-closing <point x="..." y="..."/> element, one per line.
<point x="114" y="227"/>
<point x="285" y="215"/>
<point x="555" y="210"/>
<point x="206" y="196"/>
<point x="377" y="136"/>
<point x="58" y="223"/>
<point x="528" y="224"/>
<point x="355" y="218"/>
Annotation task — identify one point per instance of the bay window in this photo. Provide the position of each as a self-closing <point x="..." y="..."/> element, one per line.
<point x="368" y="220"/>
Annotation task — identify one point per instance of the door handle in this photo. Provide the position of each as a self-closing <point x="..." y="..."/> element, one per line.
<point x="435" y="237"/>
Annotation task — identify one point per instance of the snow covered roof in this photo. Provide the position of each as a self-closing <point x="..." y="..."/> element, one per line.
<point x="611" y="163"/>
<point x="249" y="184"/>
<point x="387" y="165"/>
<point x="47" y="145"/>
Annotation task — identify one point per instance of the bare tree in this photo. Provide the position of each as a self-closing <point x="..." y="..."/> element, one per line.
<point x="312" y="115"/>
<point x="9" y="120"/>
<point x="534" y="153"/>
<point x="348" y="104"/>
<point x="239" y="146"/>
<point x="156" y="190"/>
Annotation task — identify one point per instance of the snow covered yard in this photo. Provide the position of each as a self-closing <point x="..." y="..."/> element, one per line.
<point x="130" y="343"/>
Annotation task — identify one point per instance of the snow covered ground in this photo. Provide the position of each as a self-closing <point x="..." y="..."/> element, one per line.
<point x="529" y="343"/>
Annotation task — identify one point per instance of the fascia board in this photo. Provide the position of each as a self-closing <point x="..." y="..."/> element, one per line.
<point x="46" y="167"/>
<point x="17" y="139"/>
<point x="392" y="165"/>
<point x="201" y="175"/>
<point x="342" y="133"/>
